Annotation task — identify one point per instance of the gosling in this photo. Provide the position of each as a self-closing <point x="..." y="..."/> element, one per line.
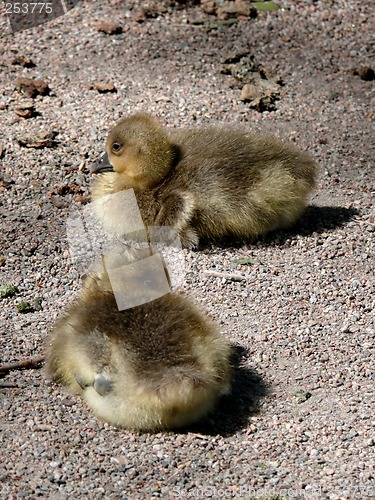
<point x="159" y="365"/>
<point x="207" y="183"/>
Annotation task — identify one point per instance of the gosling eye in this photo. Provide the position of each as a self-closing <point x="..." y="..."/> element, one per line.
<point x="116" y="146"/>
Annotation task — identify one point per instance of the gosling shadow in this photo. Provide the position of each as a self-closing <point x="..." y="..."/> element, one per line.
<point x="318" y="219"/>
<point x="232" y="412"/>
<point x="315" y="219"/>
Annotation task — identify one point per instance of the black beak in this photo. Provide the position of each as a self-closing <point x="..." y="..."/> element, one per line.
<point x="102" y="165"/>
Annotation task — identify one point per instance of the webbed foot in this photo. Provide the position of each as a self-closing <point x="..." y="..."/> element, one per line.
<point x="103" y="385"/>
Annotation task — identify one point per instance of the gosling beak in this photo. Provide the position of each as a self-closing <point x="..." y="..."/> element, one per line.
<point x="102" y="165"/>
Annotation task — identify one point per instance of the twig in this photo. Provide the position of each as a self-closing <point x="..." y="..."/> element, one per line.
<point x="24" y="363"/>
<point x="199" y="436"/>
<point x="227" y="276"/>
<point x="8" y="385"/>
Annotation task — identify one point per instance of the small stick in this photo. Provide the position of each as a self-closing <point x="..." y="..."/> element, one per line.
<point x="24" y="363"/>
<point x="227" y="276"/>
<point x="199" y="436"/>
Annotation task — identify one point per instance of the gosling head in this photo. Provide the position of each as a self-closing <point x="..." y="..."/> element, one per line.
<point x="138" y="154"/>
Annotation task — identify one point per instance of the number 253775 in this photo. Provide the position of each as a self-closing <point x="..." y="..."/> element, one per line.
<point x="28" y="8"/>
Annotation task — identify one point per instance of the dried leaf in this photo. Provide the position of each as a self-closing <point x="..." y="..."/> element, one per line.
<point x="265" y="6"/>
<point x="108" y="28"/>
<point x="102" y="88"/>
<point x="25" y="111"/>
<point x="31" y="87"/>
<point x="7" y="291"/>
<point x="246" y="261"/>
<point x="25" y="307"/>
<point x="365" y="73"/>
<point x="39" y="140"/>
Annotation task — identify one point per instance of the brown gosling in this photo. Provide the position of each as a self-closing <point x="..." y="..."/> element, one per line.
<point x="160" y="365"/>
<point x="207" y="183"/>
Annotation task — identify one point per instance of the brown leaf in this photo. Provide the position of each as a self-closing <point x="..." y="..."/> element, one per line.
<point x="249" y="92"/>
<point x="208" y="6"/>
<point x="23" y="61"/>
<point x="5" y="181"/>
<point x="31" y="87"/>
<point x="365" y="73"/>
<point x="109" y="28"/>
<point x="103" y="87"/>
<point x="57" y="195"/>
<point x="39" y="140"/>
<point x="26" y="111"/>
<point x="83" y="199"/>
<point x="262" y="94"/>
<point x="65" y="189"/>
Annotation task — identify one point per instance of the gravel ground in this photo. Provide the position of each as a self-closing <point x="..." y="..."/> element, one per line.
<point x="300" y="420"/>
